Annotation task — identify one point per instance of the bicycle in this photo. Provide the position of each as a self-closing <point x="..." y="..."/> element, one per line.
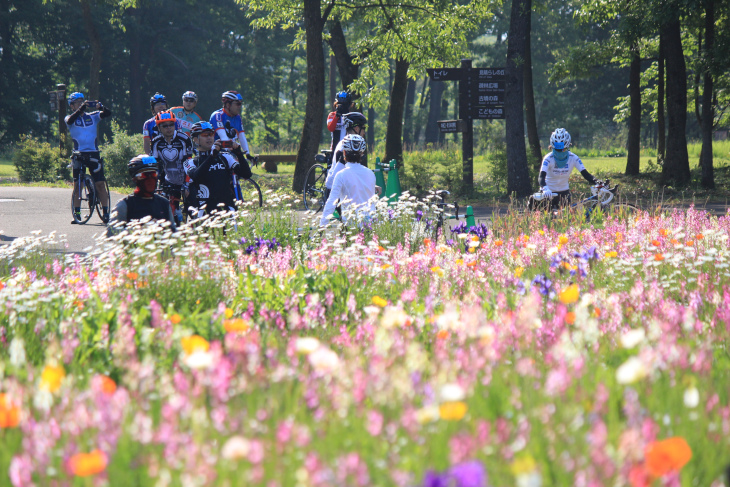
<point x="313" y="192"/>
<point x="85" y="188"/>
<point x="250" y="185"/>
<point x="603" y="197"/>
<point x="442" y="205"/>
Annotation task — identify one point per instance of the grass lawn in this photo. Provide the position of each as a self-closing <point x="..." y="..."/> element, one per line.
<point x="7" y="169"/>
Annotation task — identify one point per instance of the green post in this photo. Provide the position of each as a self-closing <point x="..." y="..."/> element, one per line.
<point x="379" y="178"/>
<point x="470" y="217"/>
<point x="393" y="190"/>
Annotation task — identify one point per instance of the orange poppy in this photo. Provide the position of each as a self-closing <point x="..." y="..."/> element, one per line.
<point x="87" y="464"/>
<point x="108" y="386"/>
<point x="9" y="413"/>
<point x="570" y="317"/>
<point x="658" y="257"/>
<point x="656" y="243"/>
<point x="670" y="455"/>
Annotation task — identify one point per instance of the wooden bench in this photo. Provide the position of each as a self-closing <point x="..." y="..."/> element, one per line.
<point x="278" y="158"/>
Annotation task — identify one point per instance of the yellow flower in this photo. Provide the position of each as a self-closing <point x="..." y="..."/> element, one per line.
<point x="453" y="410"/>
<point x="523" y="465"/>
<point x="541" y="232"/>
<point x="437" y="270"/>
<point x="175" y="319"/>
<point x="51" y="377"/>
<point x="570" y="294"/>
<point x="194" y="343"/>
<point x="385" y="266"/>
<point x="291" y="272"/>
<point x="237" y="325"/>
<point x="229" y="312"/>
<point x="563" y="239"/>
<point x="611" y="254"/>
<point x="519" y="271"/>
<point x="459" y="261"/>
<point x="378" y="301"/>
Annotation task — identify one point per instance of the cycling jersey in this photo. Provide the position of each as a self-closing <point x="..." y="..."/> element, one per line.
<point x="186" y="120"/>
<point x="557" y="178"/>
<point x="339" y="165"/>
<point x="336" y="125"/>
<point x="221" y="120"/>
<point x="135" y="207"/>
<point x="83" y="129"/>
<point x="171" y="156"/>
<point x="212" y="177"/>
<point x="353" y="186"/>
<point x="150" y="130"/>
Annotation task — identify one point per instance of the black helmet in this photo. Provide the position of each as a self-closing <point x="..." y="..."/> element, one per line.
<point x="354" y="119"/>
<point x="200" y="127"/>
<point x="140" y="163"/>
<point x="157" y="98"/>
<point x="343" y="98"/>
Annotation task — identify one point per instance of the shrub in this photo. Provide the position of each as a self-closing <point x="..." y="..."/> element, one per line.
<point x="36" y="160"/>
<point x="497" y="162"/>
<point x="117" y="154"/>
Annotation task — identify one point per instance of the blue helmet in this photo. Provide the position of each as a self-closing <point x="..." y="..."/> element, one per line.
<point x="75" y="96"/>
<point x="343" y="98"/>
<point x="157" y="98"/>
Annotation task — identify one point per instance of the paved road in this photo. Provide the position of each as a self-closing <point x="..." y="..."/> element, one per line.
<point x="25" y="209"/>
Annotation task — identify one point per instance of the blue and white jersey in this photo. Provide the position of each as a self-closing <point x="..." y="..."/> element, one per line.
<point x="84" y="132"/>
<point x="150" y="130"/>
<point x="557" y="178"/>
<point x="218" y="120"/>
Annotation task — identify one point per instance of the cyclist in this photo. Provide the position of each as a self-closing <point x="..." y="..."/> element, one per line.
<point x="144" y="202"/>
<point x="212" y="171"/>
<point x="83" y="129"/>
<point x="354" y="123"/>
<point x="171" y="148"/>
<point x="158" y="103"/>
<point x="186" y="115"/>
<point x="354" y="185"/>
<point x="335" y="122"/>
<point x="555" y="173"/>
<point x="227" y="122"/>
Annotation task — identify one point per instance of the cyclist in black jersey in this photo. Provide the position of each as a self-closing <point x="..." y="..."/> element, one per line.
<point x="212" y="171"/>
<point x="171" y="148"/>
<point x="144" y="202"/>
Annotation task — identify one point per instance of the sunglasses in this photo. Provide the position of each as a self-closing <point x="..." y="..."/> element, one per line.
<point x="166" y="125"/>
<point x="147" y="175"/>
<point x="191" y="100"/>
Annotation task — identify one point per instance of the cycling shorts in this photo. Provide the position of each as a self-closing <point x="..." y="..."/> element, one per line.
<point x="93" y="161"/>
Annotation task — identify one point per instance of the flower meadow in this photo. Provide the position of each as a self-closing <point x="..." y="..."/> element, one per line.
<point x="249" y="349"/>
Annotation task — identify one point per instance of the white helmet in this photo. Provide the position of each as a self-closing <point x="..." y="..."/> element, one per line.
<point x="353" y="144"/>
<point x="560" y="139"/>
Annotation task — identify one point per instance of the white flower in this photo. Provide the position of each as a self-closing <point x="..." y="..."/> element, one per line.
<point x="452" y="393"/>
<point x="236" y="448"/>
<point x="632" y="338"/>
<point x="306" y="345"/>
<point x="393" y="317"/>
<point x="532" y="479"/>
<point x="324" y="360"/>
<point x="199" y="360"/>
<point x="17" y="352"/>
<point x="691" y="397"/>
<point x="633" y="370"/>
<point x="428" y="414"/>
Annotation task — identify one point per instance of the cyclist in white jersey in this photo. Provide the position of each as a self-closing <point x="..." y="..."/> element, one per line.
<point x="355" y="123"/>
<point x="555" y="173"/>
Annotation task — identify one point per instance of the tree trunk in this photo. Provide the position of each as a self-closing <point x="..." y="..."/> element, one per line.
<point x="96" y="50"/>
<point x="530" y="115"/>
<point x="332" y="79"/>
<point x="347" y="69"/>
<point x="676" y="166"/>
<point x="518" y="175"/>
<point x="371" y="129"/>
<point x="633" y="160"/>
<point x="394" y="130"/>
<point x="425" y="95"/>
<point x="434" y="112"/>
<point x="660" y="125"/>
<point x="408" y="115"/>
<point x="444" y="114"/>
<point x="708" y="115"/>
<point x="136" y="103"/>
<point x="314" y="109"/>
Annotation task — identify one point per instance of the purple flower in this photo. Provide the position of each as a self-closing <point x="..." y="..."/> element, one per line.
<point x="469" y="474"/>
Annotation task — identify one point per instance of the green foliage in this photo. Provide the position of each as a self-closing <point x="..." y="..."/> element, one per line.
<point x="38" y="161"/>
<point x="117" y="154"/>
<point x="432" y="169"/>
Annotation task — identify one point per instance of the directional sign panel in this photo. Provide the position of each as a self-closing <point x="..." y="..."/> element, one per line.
<point x="492" y="113"/>
<point x="483" y="74"/>
<point x="451" y="126"/>
<point x="444" y="74"/>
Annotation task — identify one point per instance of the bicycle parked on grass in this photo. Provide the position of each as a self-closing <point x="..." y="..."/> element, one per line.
<point x="85" y="189"/>
<point x="603" y="197"/>
<point x="314" y="193"/>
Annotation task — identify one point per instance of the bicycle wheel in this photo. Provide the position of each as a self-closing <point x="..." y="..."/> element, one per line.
<point x="87" y="195"/>
<point x="313" y="192"/>
<point x="623" y="210"/>
<point x="250" y="191"/>
<point x="99" y="210"/>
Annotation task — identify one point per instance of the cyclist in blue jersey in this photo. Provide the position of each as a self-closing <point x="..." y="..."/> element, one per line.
<point x="227" y="122"/>
<point x="186" y="115"/>
<point x="158" y="103"/>
<point x="335" y="120"/>
<point x="83" y="129"/>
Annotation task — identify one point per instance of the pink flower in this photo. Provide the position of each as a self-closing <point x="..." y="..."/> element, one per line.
<point x="374" y="423"/>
